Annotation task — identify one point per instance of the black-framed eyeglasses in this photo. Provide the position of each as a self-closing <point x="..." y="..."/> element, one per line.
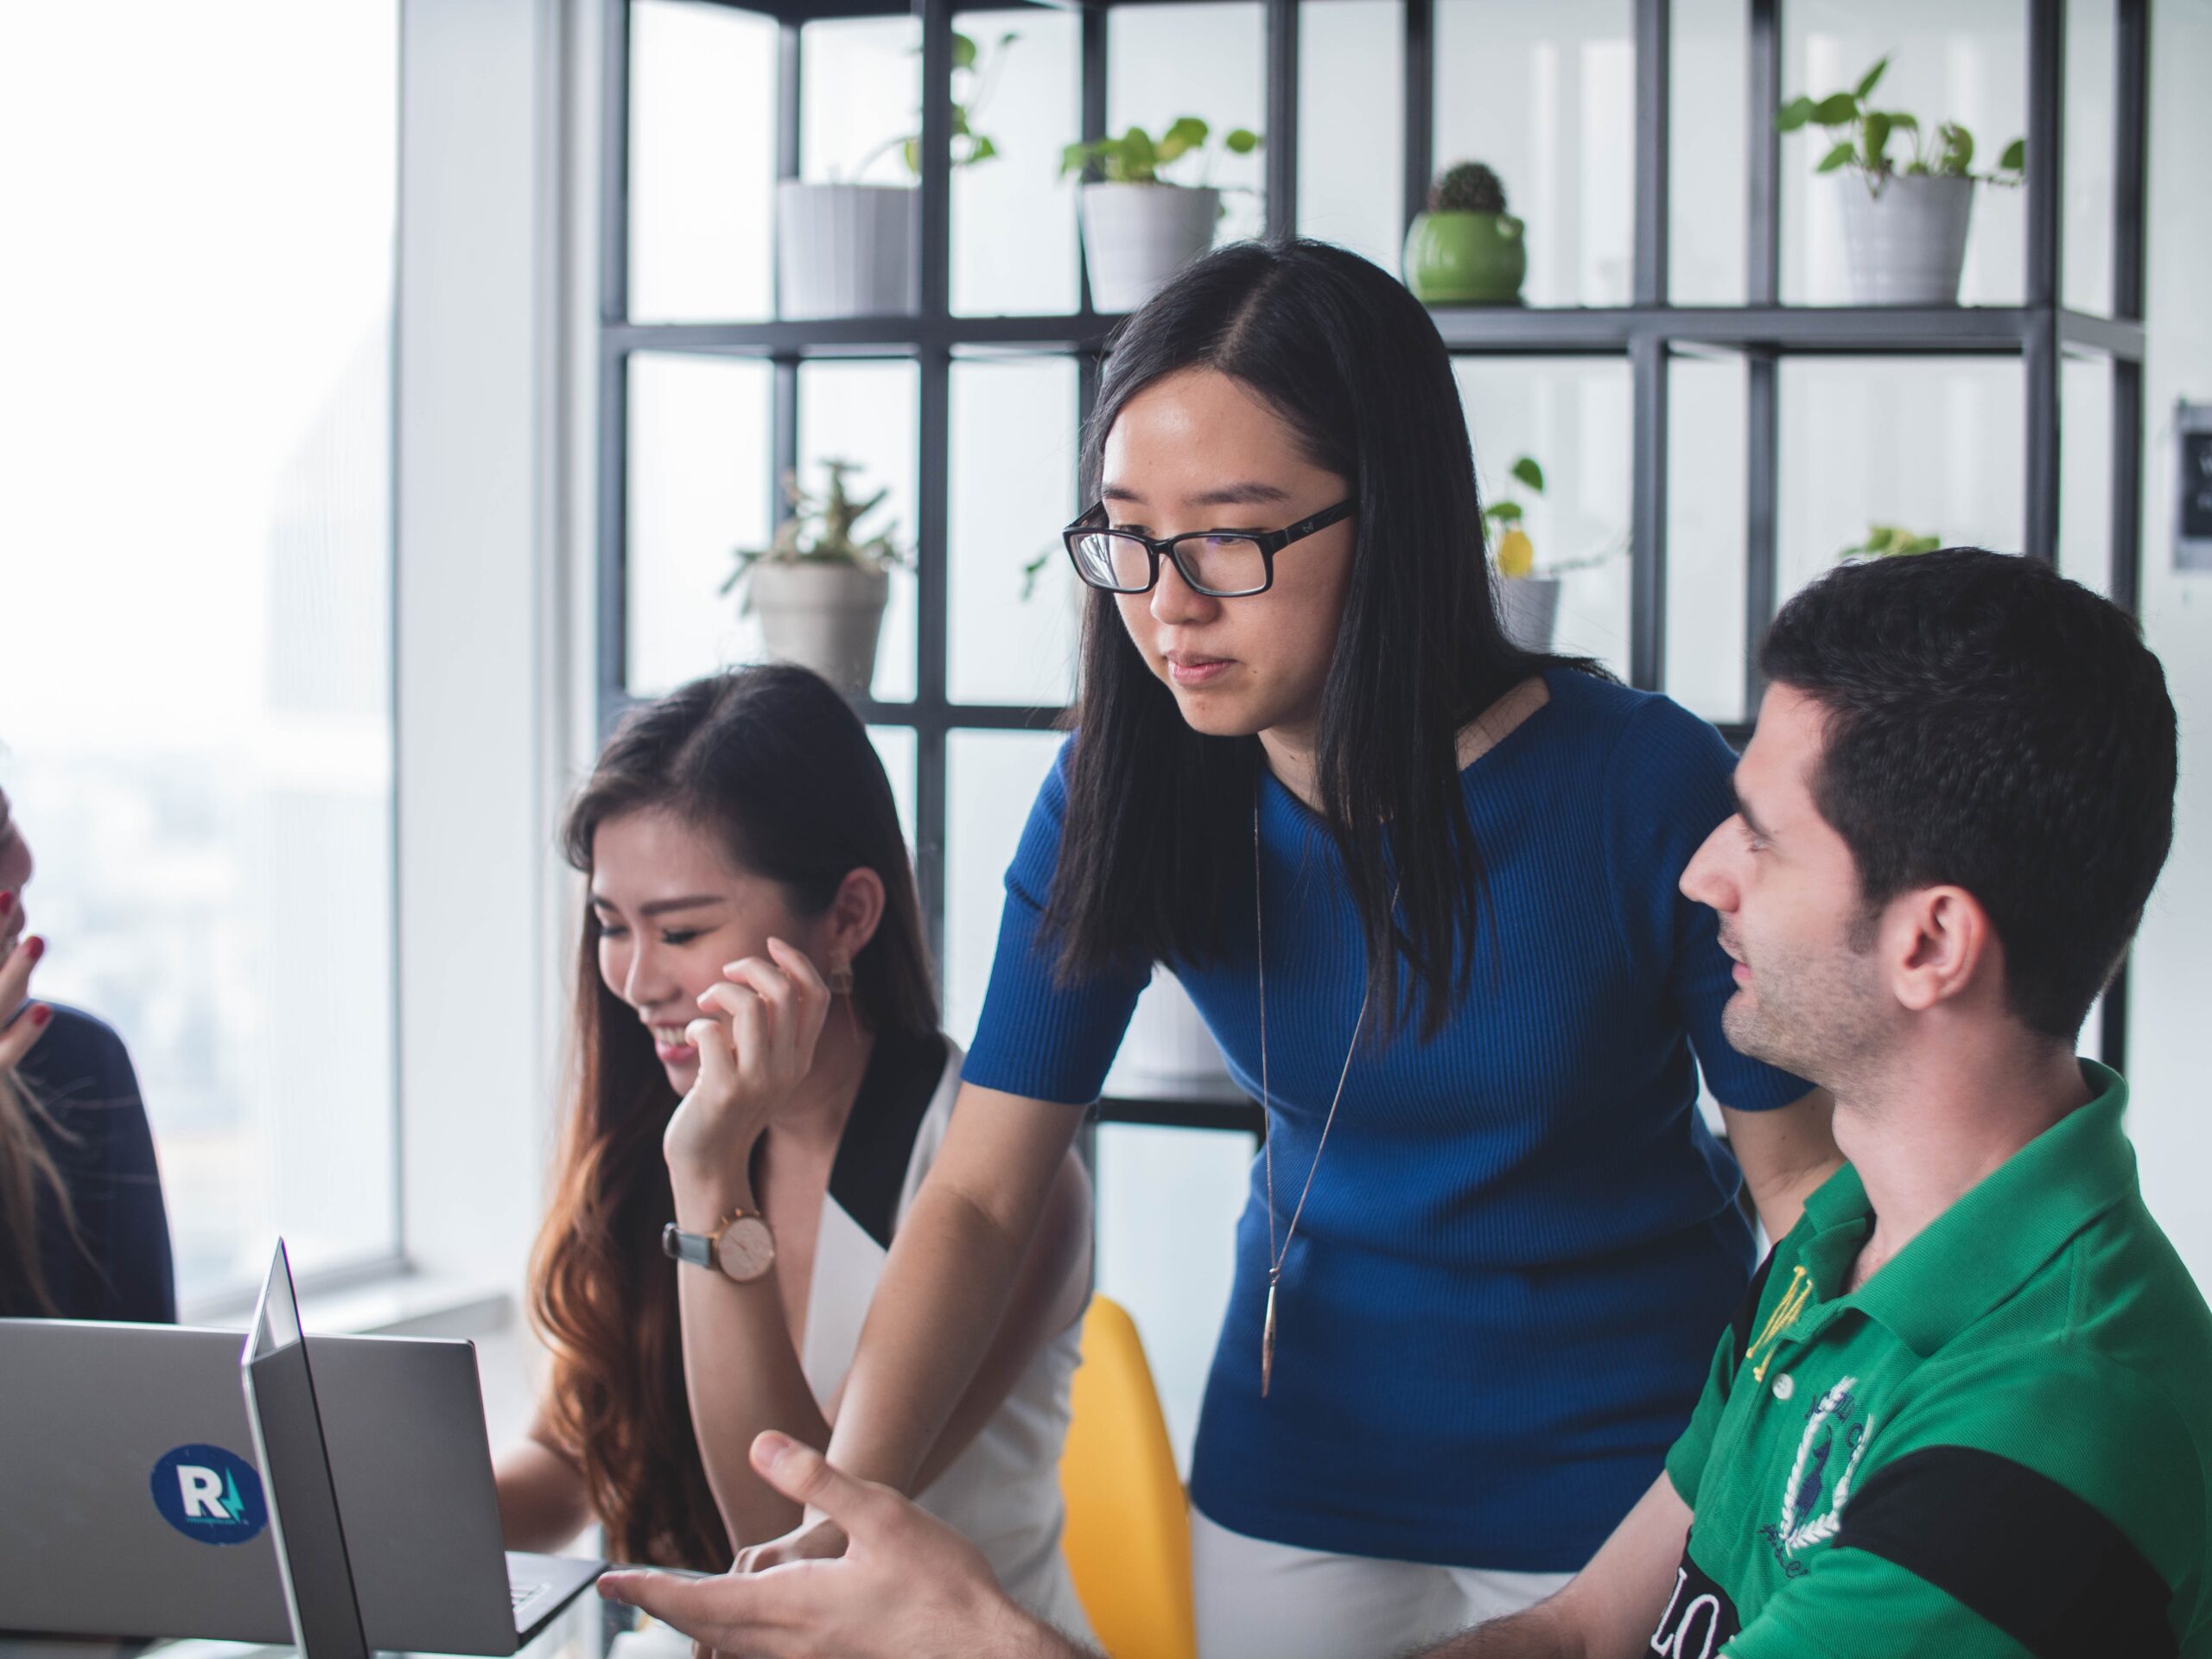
<point x="1220" y="563"/>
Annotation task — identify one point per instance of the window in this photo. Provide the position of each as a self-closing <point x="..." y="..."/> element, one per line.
<point x="195" y="678"/>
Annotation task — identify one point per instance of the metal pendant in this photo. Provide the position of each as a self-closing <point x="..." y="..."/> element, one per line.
<point x="1267" y="1344"/>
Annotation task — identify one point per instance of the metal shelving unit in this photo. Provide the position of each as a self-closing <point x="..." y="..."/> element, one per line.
<point x="1649" y="332"/>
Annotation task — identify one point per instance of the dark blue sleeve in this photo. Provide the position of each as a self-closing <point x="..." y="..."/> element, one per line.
<point x="1668" y="789"/>
<point x="1038" y="1038"/>
<point x="114" y="1263"/>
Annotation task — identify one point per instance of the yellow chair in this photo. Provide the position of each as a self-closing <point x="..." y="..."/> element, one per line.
<point x="1129" y="1529"/>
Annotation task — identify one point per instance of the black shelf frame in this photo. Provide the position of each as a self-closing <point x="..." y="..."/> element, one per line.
<point x="1650" y="333"/>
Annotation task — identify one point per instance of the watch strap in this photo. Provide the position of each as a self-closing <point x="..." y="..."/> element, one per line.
<point x="703" y="1249"/>
<point x="698" y="1248"/>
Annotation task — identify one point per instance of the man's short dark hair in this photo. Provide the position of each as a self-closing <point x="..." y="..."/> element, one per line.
<point x="1992" y="726"/>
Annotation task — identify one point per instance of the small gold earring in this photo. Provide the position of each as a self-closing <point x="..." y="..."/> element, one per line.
<point x="840" y="980"/>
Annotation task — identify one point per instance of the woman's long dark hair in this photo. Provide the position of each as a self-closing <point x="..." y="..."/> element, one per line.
<point x="1157" y="847"/>
<point x="773" y="764"/>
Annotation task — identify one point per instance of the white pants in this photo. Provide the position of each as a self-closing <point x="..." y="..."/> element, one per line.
<point x="1261" y="1601"/>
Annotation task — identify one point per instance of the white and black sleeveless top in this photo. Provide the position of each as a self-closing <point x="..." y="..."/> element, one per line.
<point x="1003" y="1493"/>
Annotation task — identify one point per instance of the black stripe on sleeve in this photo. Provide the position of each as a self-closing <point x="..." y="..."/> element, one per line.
<point x="1747" y="1314"/>
<point x="2021" y="1550"/>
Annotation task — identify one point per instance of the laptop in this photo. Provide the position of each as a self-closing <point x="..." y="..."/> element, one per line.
<point x="152" y="1516"/>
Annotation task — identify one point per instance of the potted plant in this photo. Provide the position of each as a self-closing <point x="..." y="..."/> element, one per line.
<point x="1467" y="248"/>
<point x="845" y="249"/>
<point x="819" y="589"/>
<point x="1527" y="604"/>
<point x="1888" y="541"/>
<point x="1905" y="217"/>
<point x="1138" y="228"/>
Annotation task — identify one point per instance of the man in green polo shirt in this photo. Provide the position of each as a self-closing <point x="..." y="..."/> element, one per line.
<point x="1966" y="1410"/>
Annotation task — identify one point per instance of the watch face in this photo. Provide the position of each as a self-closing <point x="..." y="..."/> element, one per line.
<point x="747" y="1249"/>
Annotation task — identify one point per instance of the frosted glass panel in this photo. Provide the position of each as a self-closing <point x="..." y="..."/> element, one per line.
<point x="1351" y="125"/>
<point x="1025" y="97"/>
<point x="2085" y="472"/>
<point x="1707" y="534"/>
<point x="1708" y="184"/>
<point x="994" y="779"/>
<point x="864" y="413"/>
<point x="2086" y="225"/>
<point x="1572" y="417"/>
<point x="699" y="489"/>
<point x="702" y="162"/>
<point x="1202" y="59"/>
<point x="861" y="92"/>
<point x="1932" y="445"/>
<point x="1014" y="466"/>
<point x="1546" y="95"/>
<point x="1167" y="1204"/>
<point x="900" y="752"/>
<point x="1965" y="60"/>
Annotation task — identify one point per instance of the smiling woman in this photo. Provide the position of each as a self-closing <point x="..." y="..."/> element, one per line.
<point x="761" y="1085"/>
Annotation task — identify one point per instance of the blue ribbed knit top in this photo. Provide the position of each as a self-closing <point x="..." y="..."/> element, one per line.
<point x="1502" y="1301"/>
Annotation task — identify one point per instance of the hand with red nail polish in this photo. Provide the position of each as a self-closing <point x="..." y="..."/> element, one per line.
<point x="20" y="1026"/>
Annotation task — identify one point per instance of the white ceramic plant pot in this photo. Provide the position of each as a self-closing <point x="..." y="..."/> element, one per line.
<point x="1168" y="1053"/>
<point x="1528" y="609"/>
<point x="1137" y="236"/>
<point x="847" y="250"/>
<point x="823" y="615"/>
<point x="1905" y="243"/>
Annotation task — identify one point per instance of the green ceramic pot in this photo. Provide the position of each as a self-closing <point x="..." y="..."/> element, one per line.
<point x="1466" y="259"/>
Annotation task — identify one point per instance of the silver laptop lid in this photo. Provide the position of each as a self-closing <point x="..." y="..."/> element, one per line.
<point x="287" y="1443"/>
<point x="114" y="1423"/>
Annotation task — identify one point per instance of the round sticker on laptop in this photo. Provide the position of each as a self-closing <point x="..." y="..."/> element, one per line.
<point x="210" y="1495"/>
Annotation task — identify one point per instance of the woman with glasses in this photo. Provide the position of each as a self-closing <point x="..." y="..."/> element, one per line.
<point x="1422" y="884"/>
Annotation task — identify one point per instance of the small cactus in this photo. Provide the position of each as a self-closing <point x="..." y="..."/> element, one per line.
<point x="1467" y="187"/>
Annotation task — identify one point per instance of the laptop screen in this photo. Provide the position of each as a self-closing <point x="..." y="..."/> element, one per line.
<point x="295" y="1471"/>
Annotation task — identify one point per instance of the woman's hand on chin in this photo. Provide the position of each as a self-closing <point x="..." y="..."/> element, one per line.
<point x="756" y="1037"/>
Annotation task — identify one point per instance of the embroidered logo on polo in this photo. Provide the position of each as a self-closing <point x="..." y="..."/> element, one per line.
<point x="210" y="1494"/>
<point x="1784" y="1314"/>
<point x="1838" y="1431"/>
<point x="1699" y="1617"/>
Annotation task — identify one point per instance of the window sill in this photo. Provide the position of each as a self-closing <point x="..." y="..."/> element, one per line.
<point x="394" y="1300"/>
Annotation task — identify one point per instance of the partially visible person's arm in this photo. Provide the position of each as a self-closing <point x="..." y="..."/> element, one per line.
<point x="907" y="1588"/>
<point x="543" y="1501"/>
<point x="1612" y="1605"/>
<point x="1785" y="1155"/>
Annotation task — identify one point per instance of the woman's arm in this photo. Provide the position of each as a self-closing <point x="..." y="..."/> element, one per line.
<point x="996" y="1298"/>
<point x="544" y="1503"/>
<point x="740" y="1371"/>
<point x="1049" y="1295"/>
<point x="1785" y="1155"/>
<point x="957" y="1265"/>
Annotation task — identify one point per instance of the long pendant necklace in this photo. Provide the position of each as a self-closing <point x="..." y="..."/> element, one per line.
<point x="1276" y="1256"/>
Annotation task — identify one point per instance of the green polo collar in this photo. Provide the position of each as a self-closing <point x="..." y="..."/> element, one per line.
<point x="1996" y="1236"/>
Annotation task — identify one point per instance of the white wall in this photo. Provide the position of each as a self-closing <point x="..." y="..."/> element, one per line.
<point x="481" y="614"/>
<point x="2168" y="1051"/>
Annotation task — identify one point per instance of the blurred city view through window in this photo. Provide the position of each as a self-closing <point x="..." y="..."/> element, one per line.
<point x="195" y="579"/>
